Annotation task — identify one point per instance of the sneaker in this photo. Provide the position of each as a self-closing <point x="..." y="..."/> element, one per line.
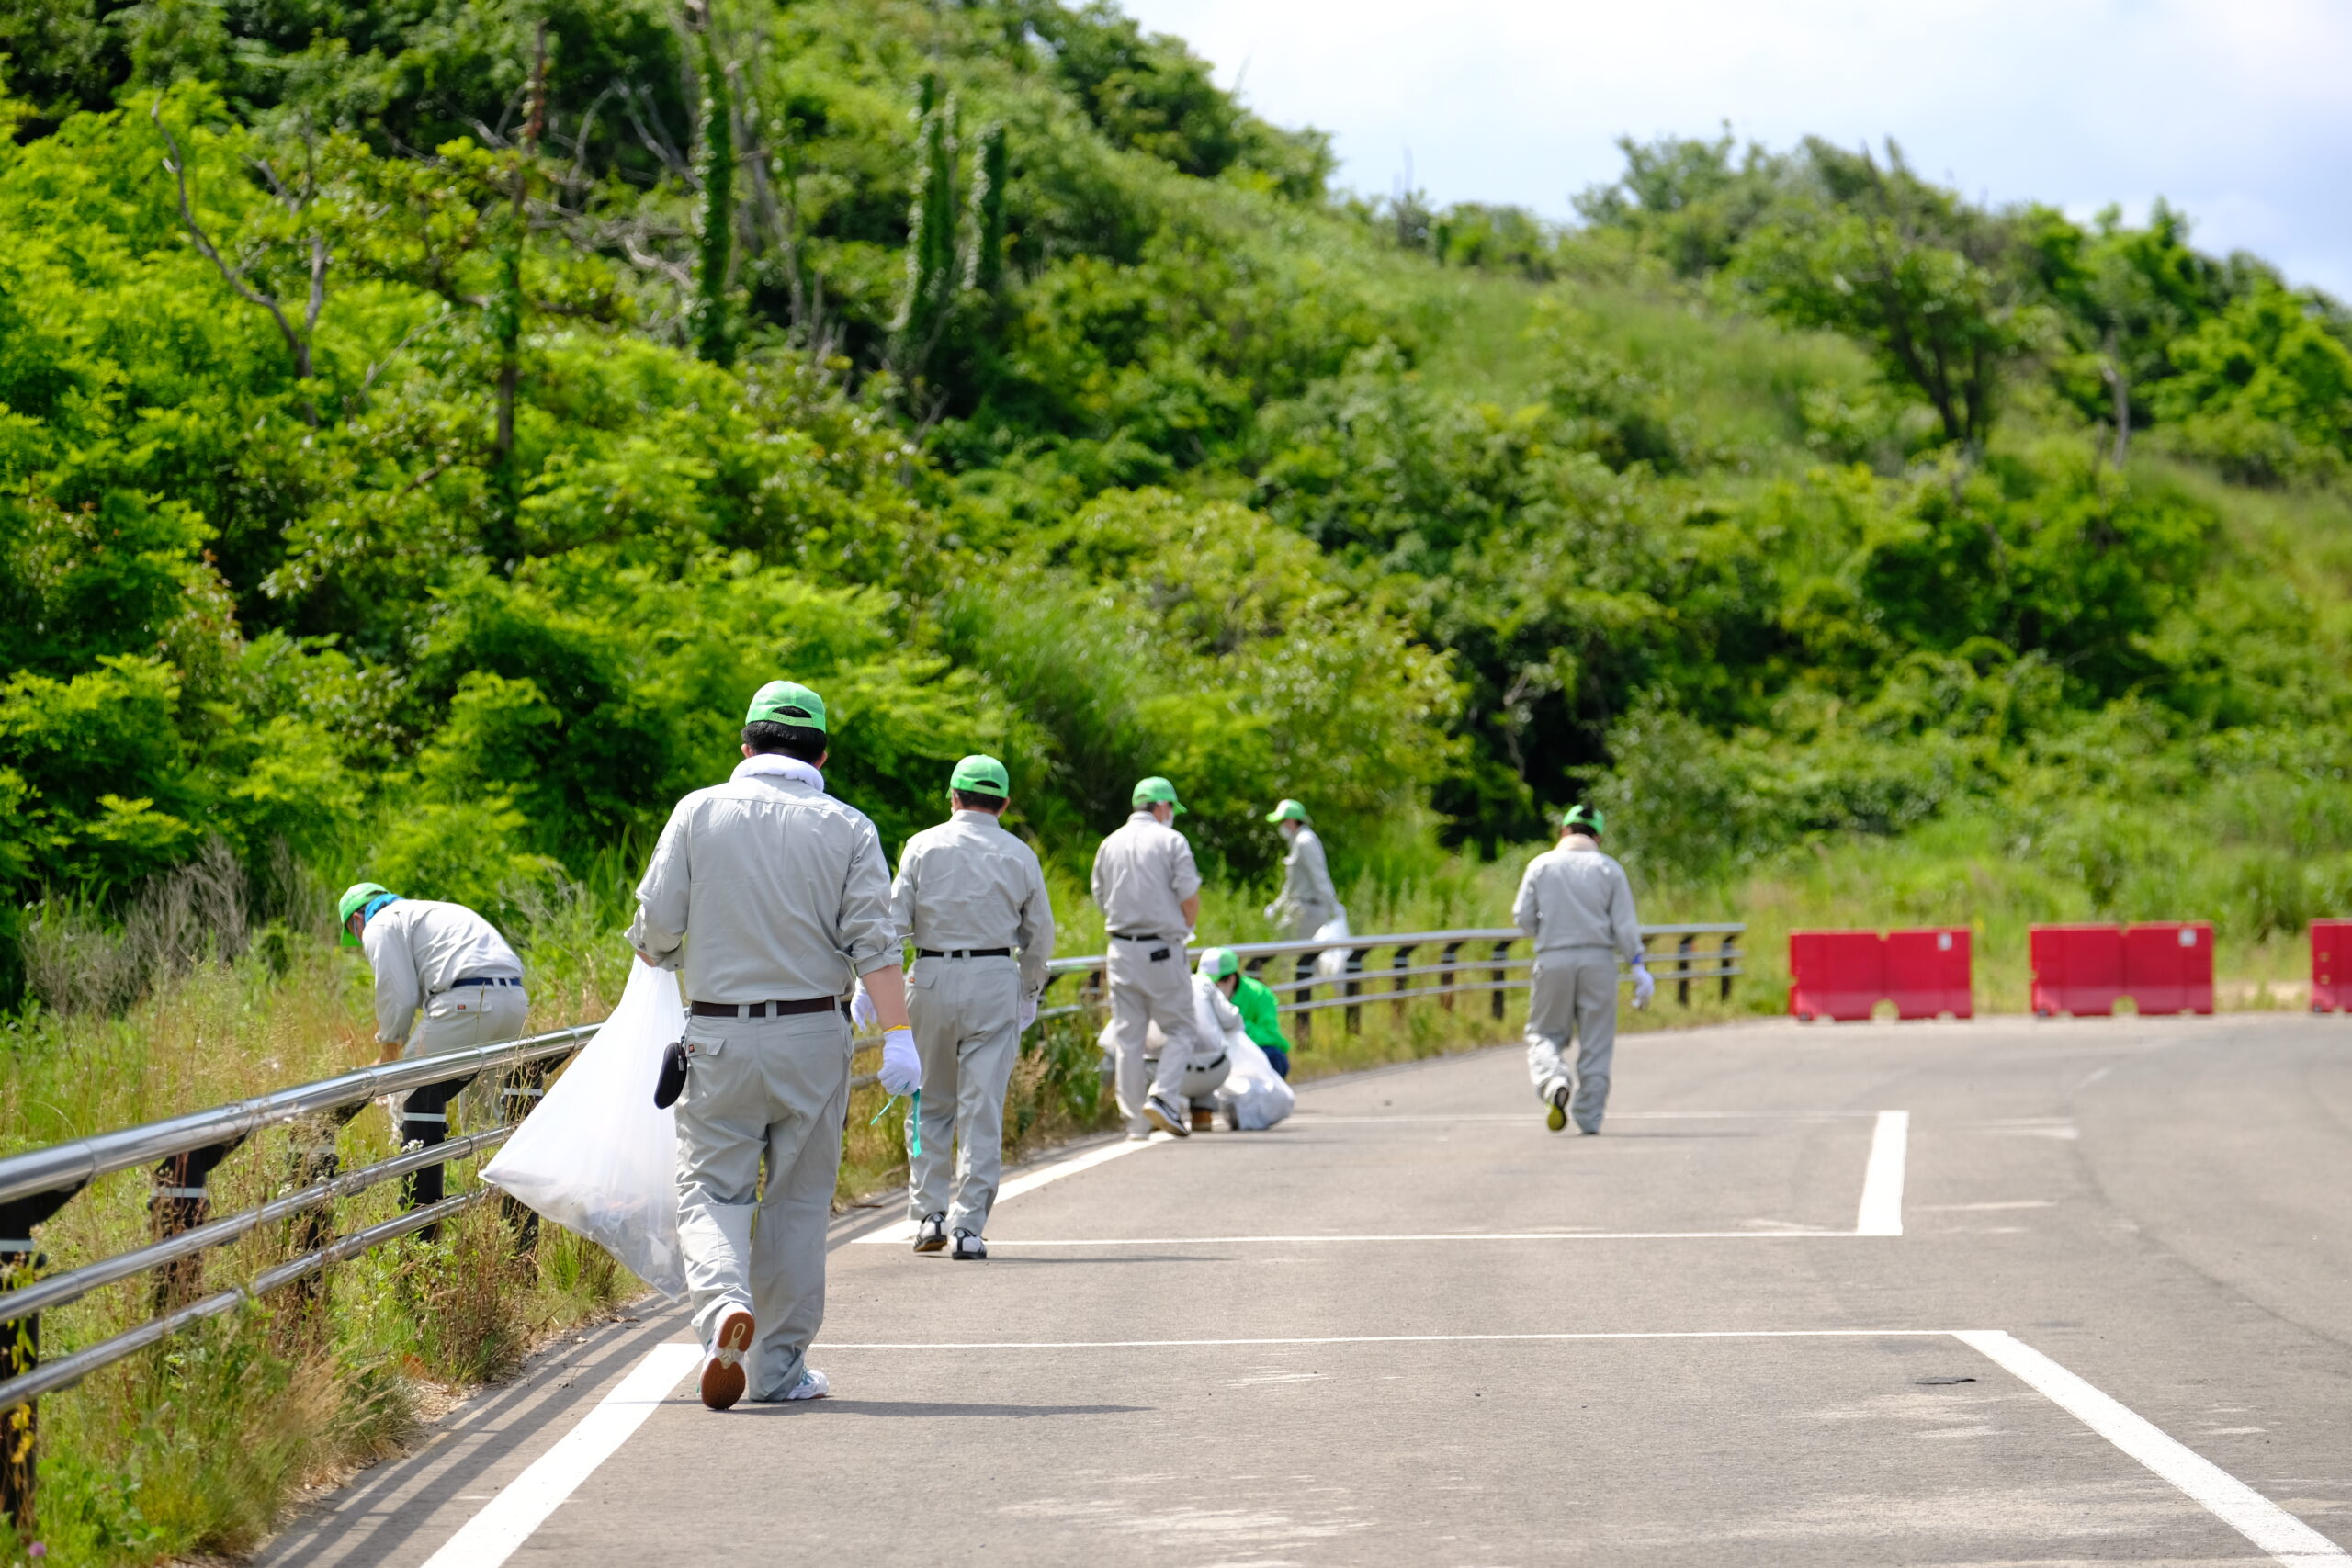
<point x="813" y="1384"/>
<point x="932" y="1234"/>
<point x="723" y="1375"/>
<point x="1167" y="1118"/>
<point x="968" y="1247"/>
<point x="1558" y="1117"/>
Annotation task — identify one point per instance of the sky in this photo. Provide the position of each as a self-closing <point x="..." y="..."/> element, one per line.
<point x="2238" y="112"/>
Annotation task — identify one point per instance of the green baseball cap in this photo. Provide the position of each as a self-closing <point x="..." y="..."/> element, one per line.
<point x="1287" y="811"/>
<point x="1582" y="817"/>
<point x="1217" y="963"/>
<point x="788" y="701"/>
<point x="981" y="775"/>
<point x="1156" y="791"/>
<point x="355" y="898"/>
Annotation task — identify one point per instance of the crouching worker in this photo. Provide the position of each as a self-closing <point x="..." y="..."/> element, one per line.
<point x="444" y="980"/>
<point x="1254" y="1000"/>
<point x="968" y="895"/>
<point x="774" y="898"/>
<point x="1253" y="1095"/>
<point x="1576" y="903"/>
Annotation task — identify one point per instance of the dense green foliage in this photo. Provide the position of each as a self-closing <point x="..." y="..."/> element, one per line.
<point x="420" y="426"/>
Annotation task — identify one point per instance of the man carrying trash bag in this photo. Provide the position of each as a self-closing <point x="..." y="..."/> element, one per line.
<point x="968" y="895"/>
<point x="774" y="898"/>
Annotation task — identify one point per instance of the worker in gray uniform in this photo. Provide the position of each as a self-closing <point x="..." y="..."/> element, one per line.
<point x="444" y="980"/>
<point x="970" y="896"/>
<point x="1308" y="901"/>
<point x="1150" y="895"/>
<point x="1576" y="903"/>
<point x="774" y="898"/>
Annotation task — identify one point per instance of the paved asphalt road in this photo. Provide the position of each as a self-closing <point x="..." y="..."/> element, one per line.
<point x="1169" y="1362"/>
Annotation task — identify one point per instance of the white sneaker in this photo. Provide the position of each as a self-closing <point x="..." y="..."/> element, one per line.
<point x="1172" y="1119"/>
<point x="931" y="1236"/>
<point x="968" y="1247"/>
<point x="813" y="1384"/>
<point x="722" y="1371"/>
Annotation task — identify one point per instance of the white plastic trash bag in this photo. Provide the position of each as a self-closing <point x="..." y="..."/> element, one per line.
<point x="1332" y="962"/>
<point x="1254" y="1096"/>
<point x="595" y="1156"/>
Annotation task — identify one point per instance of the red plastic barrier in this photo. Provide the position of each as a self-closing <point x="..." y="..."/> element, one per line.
<point x="2331" y="966"/>
<point x="2164" y="966"/>
<point x="1845" y="975"/>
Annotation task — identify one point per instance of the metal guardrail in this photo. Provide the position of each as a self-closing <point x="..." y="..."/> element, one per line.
<point x="186" y="1150"/>
<point x="1483" y="951"/>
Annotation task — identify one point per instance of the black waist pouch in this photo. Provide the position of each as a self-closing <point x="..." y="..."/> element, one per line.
<point x="673" y="1081"/>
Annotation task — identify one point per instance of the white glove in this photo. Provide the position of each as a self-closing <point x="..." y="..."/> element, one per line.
<point x="902" y="1066"/>
<point x="1028" y="1012"/>
<point x="1644" y="986"/>
<point x="861" y="1012"/>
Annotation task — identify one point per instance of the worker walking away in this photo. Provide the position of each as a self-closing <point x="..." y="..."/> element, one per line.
<point x="1254" y="1000"/>
<point x="1308" y="902"/>
<point x="969" y="896"/>
<point x="444" y="980"/>
<point x="1576" y="903"/>
<point x="774" y="898"/>
<point x="1150" y="896"/>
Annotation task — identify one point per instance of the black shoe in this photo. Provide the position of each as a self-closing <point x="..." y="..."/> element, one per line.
<point x="932" y="1234"/>
<point x="1168" y="1118"/>
<point x="1558" y="1117"/>
<point x="968" y="1247"/>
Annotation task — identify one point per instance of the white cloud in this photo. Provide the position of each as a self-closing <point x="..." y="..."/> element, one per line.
<point x="2235" y="110"/>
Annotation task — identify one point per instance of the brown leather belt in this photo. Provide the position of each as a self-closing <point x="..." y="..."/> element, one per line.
<point x="765" y="1009"/>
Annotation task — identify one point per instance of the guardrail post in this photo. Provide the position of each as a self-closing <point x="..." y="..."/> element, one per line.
<point x="1355" y="987"/>
<point x="1445" y="975"/>
<point x="524" y="1086"/>
<point x="1682" y="950"/>
<point x="1502" y="951"/>
<point x="312" y="1159"/>
<point x="1730" y="950"/>
<point x="1403" y="960"/>
<point x="1303" y="971"/>
<point x="182" y="1202"/>
<point x="20" y="1260"/>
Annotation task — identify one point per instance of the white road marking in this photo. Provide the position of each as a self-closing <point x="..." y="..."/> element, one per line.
<point x="2269" y="1527"/>
<point x="1424" y="1236"/>
<point x="1882" y="1210"/>
<point x="1401" y="1339"/>
<point x="900" y="1234"/>
<point x="491" y="1536"/>
<point x="1309" y="1118"/>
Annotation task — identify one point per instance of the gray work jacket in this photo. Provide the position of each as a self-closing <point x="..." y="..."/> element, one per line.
<point x="1575" y="896"/>
<point x="775" y="891"/>
<point x="418" y="947"/>
<point x="967" y="883"/>
<point x="1307" y="897"/>
<point x="1143" y="874"/>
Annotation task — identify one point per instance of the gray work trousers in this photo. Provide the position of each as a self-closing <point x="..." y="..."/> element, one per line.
<point x="1145" y="991"/>
<point x="777" y="1088"/>
<point x="1575" y="997"/>
<point x="966" y="1018"/>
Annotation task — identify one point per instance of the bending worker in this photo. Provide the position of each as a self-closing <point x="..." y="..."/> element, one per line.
<point x="444" y="980"/>
<point x="968" y="894"/>
<point x="1576" y="903"/>
<point x="775" y="899"/>
<point x="1150" y="895"/>
<point x="1308" y="902"/>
